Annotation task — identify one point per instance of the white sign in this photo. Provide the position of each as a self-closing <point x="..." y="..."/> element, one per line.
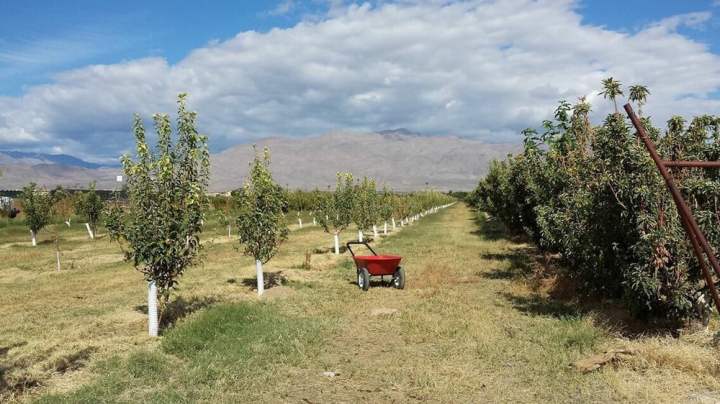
<point x="118" y="178"/>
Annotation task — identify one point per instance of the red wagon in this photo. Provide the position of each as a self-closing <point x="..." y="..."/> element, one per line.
<point x="377" y="265"/>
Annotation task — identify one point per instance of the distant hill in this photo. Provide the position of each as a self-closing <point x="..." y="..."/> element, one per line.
<point x="41" y="158"/>
<point x="399" y="158"/>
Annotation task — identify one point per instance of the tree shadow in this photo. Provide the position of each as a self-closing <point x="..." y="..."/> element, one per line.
<point x="270" y="280"/>
<point x="520" y="260"/>
<point x="489" y="229"/>
<point x="540" y="306"/>
<point x="73" y="361"/>
<point x="5" y="349"/>
<point x="181" y="307"/>
<point x="178" y="308"/>
<point x="14" y="386"/>
<point x="328" y="250"/>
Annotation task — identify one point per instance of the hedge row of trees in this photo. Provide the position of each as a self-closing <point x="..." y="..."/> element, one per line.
<point x="361" y="203"/>
<point x="352" y="201"/>
<point x="592" y="194"/>
<point x="40" y="207"/>
<point x="160" y="225"/>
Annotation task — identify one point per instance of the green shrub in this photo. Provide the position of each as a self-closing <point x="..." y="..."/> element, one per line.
<point x="594" y="195"/>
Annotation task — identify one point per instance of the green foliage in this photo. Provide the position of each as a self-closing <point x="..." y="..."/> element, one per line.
<point x="612" y="89"/>
<point x="594" y="195"/>
<point x="260" y="203"/>
<point x="89" y="205"/>
<point x="639" y="94"/>
<point x="223" y="208"/>
<point x="366" y="202"/>
<point x="304" y="201"/>
<point x="166" y="198"/>
<point x="386" y="204"/>
<point x="336" y="209"/>
<point x="36" y="206"/>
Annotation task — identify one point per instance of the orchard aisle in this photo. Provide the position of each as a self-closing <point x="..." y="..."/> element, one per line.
<point x="465" y="329"/>
<point x="468" y="330"/>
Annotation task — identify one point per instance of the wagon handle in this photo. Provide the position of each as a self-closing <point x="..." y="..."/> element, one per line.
<point x="361" y="243"/>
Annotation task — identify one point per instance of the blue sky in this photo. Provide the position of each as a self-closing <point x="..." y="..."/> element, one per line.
<point x="631" y="15"/>
<point x="72" y="73"/>
<point x="51" y="36"/>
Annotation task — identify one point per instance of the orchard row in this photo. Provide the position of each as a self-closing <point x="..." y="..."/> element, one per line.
<point x="591" y="194"/>
<point x="161" y="213"/>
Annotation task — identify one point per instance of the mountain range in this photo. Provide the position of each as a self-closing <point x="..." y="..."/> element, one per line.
<point x="399" y="158"/>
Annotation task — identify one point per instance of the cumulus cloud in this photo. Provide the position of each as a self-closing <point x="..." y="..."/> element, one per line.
<point x="483" y="69"/>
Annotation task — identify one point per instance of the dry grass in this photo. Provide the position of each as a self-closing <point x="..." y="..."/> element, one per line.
<point x="471" y="327"/>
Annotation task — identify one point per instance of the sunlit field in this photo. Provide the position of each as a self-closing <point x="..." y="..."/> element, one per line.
<point x="470" y="326"/>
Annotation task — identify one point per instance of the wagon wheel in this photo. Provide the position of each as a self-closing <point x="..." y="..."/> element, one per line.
<point x="399" y="278"/>
<point x="363" y="279"/>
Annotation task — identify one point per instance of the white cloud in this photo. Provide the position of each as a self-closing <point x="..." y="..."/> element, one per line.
<point x="691" y="20"/>
<point x="283" y="8"/>
<point x="475" y="68"/>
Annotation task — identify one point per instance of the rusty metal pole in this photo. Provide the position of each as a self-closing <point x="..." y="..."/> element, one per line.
<point x="696" y="236"/>
<point x="691" y="164"/>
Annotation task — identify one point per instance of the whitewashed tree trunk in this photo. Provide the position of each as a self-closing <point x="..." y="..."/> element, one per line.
<point x="260" y="278"/>
<point x="393" y="224"/>
<point x="90" y="232"/>
<point x="34" y="240"/>
<point x="153" y="323"/>
<point x="300" y="222"/>
<point x="67" y="222"/>
<point x="229" y="231"/>
<point x="375" y="232"/>
<point x="385" y="228"/>
<point x="337" y="243"/>
<point x="360" y="236"/>
<point x="57" y="259"/>
<point x="314" y="222"/>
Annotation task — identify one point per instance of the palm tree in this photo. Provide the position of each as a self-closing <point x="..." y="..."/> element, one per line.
<point x="611" y="89"/>
<point x="639" y="93"/>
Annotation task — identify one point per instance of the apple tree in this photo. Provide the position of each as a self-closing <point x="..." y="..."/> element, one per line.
<point x="335" y="210"/>
<point x="166" y="190"/>
<point x="261" y="224"/>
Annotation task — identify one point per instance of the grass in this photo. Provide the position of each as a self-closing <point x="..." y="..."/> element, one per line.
<point x="469" y="328"/>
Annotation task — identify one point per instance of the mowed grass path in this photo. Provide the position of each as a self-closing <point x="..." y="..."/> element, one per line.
<point x="467" y="329"/>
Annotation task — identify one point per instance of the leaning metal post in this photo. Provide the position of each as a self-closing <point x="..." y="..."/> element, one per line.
<point x="697" y="238"/>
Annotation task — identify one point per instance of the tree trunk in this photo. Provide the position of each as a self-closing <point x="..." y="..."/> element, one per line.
<point x="360" y="236"/>
<point x="337" y="243"/>
<point x="393" y="223"/>
<point x="375" y="232"/>
<point x="385" y="228"/>
<point x="90" y="232"/>
<point x="260" y="279"/>
<point x="229" y="232"/>
<point x="314" y="222"/>
<point x="34" y="240"/>
<point x="300" y="222"/>
<point x="153" y="323"/>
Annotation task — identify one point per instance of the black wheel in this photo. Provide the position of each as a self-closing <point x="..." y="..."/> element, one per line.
<point x="363" y="279"/>
<point x="399" y="278"/>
